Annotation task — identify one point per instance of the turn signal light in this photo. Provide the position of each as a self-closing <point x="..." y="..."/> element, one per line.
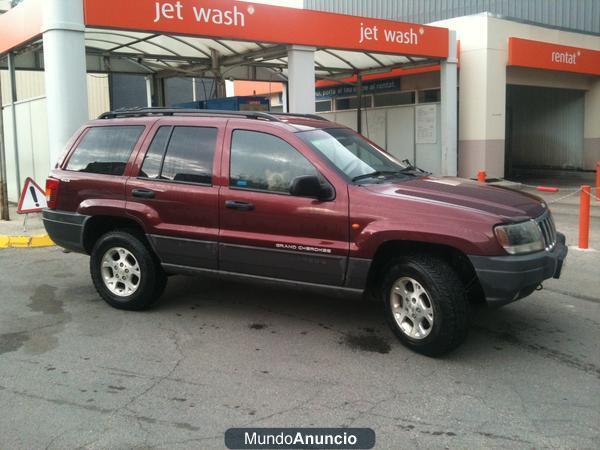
<point x="52" y="192"/>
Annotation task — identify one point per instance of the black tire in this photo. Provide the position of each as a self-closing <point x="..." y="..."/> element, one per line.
<point x="152" y="280"/>
<point x="446" y="295"/>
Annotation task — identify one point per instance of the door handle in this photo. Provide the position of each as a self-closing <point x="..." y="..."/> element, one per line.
<point x="239" y="205"/>
<point x="143" y="193"/>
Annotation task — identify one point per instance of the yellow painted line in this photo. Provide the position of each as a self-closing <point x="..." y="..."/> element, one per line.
<point x="42" y="240"/>
<point x="19" y="241"/>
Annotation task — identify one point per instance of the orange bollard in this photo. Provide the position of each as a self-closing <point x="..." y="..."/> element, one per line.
<point x="584" y="216"/>
<point x="597" y="180"/>
<point x="481" y="176"/>
<point x="547" y="189"/>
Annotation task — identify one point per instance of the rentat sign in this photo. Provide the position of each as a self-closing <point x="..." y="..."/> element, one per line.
<point x="255" y="22"/>
<point x="544" y="55"/>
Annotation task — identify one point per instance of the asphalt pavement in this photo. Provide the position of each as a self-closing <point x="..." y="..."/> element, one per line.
<point x="213" y="355"/>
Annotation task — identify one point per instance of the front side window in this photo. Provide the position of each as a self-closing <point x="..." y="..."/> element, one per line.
<point x="352" y="155"/>
<point x="188" y="158"/>
<point x="265" y="162"/>
<point x="105" y="150"/>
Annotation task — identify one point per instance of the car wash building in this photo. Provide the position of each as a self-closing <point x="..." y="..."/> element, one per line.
<point x="506" y="91"/>
<point x="70" y="43"/>
<point x="529" y="85"/>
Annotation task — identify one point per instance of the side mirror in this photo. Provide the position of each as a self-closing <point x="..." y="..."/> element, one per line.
<point x="311" y="186"/>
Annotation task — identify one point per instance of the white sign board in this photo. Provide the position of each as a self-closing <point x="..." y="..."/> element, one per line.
<point x="426" y="124"/>
<point x="33" y="198"/>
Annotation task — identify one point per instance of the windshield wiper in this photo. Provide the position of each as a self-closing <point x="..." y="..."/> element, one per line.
<point x="376" y="173"/>
<point x="412" y="169"/>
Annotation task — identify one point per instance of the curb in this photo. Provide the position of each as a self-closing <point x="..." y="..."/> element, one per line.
<point x="42" y="240"/>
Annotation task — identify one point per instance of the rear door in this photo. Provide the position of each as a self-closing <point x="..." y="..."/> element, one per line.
<point x="173" y="193"/>
<point x="266" y="231"/>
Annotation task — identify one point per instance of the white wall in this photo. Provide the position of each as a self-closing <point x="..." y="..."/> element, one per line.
<point x="32" y="136"/>
<point x="32" y="125"/>
<point x="393" y="129"/>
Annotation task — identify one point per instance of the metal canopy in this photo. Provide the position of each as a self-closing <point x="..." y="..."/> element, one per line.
<point x="133" y="37"/>
<point x="170" y="55"/>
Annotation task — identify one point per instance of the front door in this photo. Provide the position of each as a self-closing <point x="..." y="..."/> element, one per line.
<point x="265" y="231"/>
<point x="174" y="194"/>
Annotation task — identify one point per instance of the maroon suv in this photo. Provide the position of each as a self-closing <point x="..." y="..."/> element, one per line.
<point x="297" y="200"/>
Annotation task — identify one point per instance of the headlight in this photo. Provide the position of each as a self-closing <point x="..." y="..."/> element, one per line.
<point x="521" y="237"/>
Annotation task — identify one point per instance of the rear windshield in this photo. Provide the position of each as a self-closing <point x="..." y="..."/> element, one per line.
<point x="105" y="150"/>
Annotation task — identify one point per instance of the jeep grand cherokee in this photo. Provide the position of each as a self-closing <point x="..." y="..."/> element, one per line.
<point x="297" y="200"/>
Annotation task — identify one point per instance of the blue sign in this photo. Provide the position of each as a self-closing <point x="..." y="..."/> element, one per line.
<point x="369" y="87"/>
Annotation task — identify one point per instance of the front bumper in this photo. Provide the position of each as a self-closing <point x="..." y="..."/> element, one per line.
<point x="505" y="279"/>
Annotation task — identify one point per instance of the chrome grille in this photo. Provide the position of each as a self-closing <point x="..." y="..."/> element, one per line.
<point x="546" y="224"/>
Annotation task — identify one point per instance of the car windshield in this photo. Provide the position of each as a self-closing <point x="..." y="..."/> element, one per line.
<point x="353" y="155"/>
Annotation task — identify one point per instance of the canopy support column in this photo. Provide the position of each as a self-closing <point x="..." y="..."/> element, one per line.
<point x="359" y="101"/>
<point x="65" y="71"/>
<point x="13" y="111"/>
<point x="148" y="91"/>
<point x="220" y="89"/>
<point x="4" y="211"/>
<point x="301" y="79"/>
<point x="449" y="108"/>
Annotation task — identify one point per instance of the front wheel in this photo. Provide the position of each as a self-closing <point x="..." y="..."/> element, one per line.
<point x="425" y="304"/>
<point x="125" y="272"/>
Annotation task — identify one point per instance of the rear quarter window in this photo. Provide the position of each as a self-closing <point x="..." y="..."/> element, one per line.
<point x="105" y="150"/>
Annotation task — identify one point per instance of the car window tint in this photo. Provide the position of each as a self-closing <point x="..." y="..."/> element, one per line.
<point x="105" y="150"/>
<point x="154" y="155"/>
<point x="190" y="155"/>
<point x="266" y="162"/>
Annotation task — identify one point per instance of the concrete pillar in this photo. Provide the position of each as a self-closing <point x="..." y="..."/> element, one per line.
<point x="449" y="109"/>
<point x="482" y="99"/>
<point x="301" y="79"/>
<point x="65" y="71"/>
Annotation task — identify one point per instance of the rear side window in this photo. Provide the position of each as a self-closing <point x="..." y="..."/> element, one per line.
<point x="154" y="156"/>
<point x="189" y="155"/>
<point x="265" y="162"/>
<point x="105" y="150"/>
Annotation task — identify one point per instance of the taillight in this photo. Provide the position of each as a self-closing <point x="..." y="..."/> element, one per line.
<point x="52" y="192"/>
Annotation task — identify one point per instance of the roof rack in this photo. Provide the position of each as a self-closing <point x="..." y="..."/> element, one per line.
<point x="141" y="112"/>
<point x="307" y="116"/>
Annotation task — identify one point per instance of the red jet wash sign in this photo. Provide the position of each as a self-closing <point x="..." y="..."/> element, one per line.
<point x="544" y="55"/>
<point x="253" y="22"/>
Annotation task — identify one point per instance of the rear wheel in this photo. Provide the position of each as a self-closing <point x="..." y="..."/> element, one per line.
<point x="425" y="304"/>
<point x="125" y="272"/>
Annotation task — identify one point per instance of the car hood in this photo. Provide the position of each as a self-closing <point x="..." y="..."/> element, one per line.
<point x="460" y="192"/>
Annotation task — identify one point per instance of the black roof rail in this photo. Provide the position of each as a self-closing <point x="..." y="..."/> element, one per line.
<point x="307" y="116"/>
<point x="141" y="112"/>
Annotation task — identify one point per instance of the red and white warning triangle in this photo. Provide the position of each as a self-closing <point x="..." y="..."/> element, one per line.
<point x="33" y="198"/>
